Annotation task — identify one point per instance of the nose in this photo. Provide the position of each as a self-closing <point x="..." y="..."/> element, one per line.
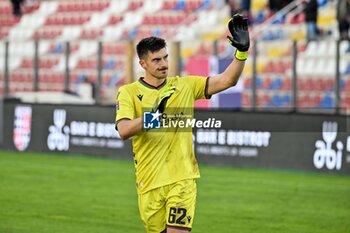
<point x="164" y="63"/>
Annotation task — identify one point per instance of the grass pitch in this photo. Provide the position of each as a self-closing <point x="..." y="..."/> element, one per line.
<point x="59" y="193"/>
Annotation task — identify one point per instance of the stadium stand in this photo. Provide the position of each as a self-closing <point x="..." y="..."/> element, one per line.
<point x="83" y="23"/>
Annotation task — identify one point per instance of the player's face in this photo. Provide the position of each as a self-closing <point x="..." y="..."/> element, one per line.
<point x="156" y="64"/>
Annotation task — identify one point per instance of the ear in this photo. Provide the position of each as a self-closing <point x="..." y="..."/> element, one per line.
<point x="142" y="64"/>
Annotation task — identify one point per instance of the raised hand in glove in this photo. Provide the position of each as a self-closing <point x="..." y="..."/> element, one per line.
<point x="162" y="99"/>
<point x="238" y="27"/>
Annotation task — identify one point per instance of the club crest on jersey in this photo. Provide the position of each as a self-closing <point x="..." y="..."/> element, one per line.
<point x="22" y="127"/>
<point x="151" y="120"/>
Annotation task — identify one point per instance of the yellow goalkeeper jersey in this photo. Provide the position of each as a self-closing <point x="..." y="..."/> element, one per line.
<point x="162" y="156"/>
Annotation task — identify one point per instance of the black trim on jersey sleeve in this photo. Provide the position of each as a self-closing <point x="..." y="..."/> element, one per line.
<point x="207" y="96"/>
<point x="116" y="123"/>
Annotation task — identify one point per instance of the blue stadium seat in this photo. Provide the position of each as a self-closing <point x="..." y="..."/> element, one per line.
<point x="322" y="3"/>
<point x="326" y="102"/>
<point x="276" y="101"/>
<point x="110" y="64"/>
<point x="180" y="5"/>
<point x="276" y="84"/>
<point x="259" y="82"/>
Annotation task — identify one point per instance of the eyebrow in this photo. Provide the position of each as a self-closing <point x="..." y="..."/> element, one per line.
<point x="158" y="58"/>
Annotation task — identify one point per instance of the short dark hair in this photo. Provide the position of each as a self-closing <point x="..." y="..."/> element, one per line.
<point x="151" y="44"/>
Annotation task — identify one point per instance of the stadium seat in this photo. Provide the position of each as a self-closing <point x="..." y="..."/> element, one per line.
<point x="345" y="102"/>
<point x="134" y="5"/>
<point x="326" y="102"/>
<point x="347" y="85"/>
<point x="47" y="33"/>
<point x="263" y="100"/>
<point x="4" y="31"/>
<point x="9" y="21"/>
<point x="5" y="9"/>
<point x="319" y="85"/>
<point x="246" y="99"/>
<point x="247" y="82"/>
<point x="91" y="33"/>
<point x="329" y="84"/>
<point x="266" y="83"/>
<point x="115" y="19"/>
<point x="169" y="4"/>
<point x="114" y="49"/>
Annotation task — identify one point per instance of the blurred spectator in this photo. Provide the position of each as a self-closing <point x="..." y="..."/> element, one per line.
<point x="311" y="12"/>
<point x="276" y="5"/>
<point x="16" y="7"/>
<point x="273" y="6"/>
<point x="245" y="9"/>
<point x="343" y="18"/>
<point x="234" y="6"/>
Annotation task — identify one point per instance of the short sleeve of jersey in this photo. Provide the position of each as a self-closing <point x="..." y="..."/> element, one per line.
<point x="124" y="105"/>
<point x="199" y="85"/>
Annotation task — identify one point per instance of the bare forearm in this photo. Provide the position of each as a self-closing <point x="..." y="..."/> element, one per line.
<point x="128" y="128"/>
<point x="233" y="72"/>
<point x="226" y="79"/>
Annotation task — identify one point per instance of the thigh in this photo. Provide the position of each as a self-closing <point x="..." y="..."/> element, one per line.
<point x="152" y="210"/>
<point x="180" y="204"/>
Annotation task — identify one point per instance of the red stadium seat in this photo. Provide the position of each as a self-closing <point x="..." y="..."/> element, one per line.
<point x="347" y="85"/>
<point x="48" y="33"/>
<point x="134" y="5"/>
<point x="94" y="33"/>
<point x="305" y="84"/>
<point x="9" y="21"/>
<point x="247" y="82"/>
<point x="67" y="19"/>
<point x="345" y="102"/>
<point x="262" y="100"/>
<point x="193" y="5"/>
<point x="5" y="10"/>
<point x="316" y="100"/>
<point x="319" y="85"/>
<point x="169" y="4"/>
<point x="287" y="84"/>
<point x="114" y="49"/>
<point x="329" y="84"/>
<point x="245" y="99"/>
<point x="4" y="31"/>
<point x="266" y="83"/>
<point x="269" y="67"/>
<point x="115" y="19"/>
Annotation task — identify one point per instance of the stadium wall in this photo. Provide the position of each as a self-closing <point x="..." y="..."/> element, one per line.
<point x="309" y="142"/>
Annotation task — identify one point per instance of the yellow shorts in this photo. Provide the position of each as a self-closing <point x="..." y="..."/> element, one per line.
<point x="171" y="205"/>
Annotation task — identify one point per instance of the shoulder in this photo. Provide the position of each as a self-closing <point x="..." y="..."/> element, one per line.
<point x="186" y="78"/>
<point x="131" y="87"/>
<point x="193" y="79"/>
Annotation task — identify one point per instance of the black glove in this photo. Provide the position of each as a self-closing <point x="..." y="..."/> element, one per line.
<point x="162" y="99"/>
<point x="238" y="27"/>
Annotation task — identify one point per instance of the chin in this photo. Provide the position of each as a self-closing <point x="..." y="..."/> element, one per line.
<point x="162" y="76"/>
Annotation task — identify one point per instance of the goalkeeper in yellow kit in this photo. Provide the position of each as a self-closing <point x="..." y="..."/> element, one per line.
<point x="166" y="167"/>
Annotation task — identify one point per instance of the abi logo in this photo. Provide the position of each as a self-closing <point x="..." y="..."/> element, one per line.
<point x="58" y="138"/>
<point x="324" y="153"/>
<point x="151" y="120"/>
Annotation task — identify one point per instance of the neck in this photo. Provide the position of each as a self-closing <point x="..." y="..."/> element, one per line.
<point x="153" y="81"/>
